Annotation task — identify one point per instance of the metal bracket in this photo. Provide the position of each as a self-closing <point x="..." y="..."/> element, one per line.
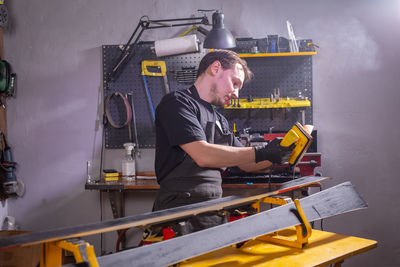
<point x="117" y="203"/>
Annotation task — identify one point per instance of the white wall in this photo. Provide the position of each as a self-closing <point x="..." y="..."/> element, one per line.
<point x="54" y="122"/>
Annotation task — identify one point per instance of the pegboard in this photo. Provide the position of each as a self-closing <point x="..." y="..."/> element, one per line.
<point x="291" y="74"/>
<point x="130" y="81"/>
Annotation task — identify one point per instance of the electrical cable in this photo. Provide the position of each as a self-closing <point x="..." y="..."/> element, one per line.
<point x="120" y="236"/>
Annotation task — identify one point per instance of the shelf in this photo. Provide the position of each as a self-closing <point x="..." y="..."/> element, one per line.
<point x="278" y="54"/>
<point x="258" y="103"/>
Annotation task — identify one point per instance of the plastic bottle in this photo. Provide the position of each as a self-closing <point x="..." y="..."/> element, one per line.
<point x="89" y="178"/>
<point x="128" y="163"/>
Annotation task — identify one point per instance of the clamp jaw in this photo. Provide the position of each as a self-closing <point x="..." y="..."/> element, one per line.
<point x="303" y="230"/>
<point x="52" y="252"/>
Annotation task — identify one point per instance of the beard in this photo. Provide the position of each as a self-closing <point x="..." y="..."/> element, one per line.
<point x="215" y="100"/>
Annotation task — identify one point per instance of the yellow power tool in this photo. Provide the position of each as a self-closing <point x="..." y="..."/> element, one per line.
<point x="301" y="138"/>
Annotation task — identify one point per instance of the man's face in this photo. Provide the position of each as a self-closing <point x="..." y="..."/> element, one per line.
<point x="227" y="85"/>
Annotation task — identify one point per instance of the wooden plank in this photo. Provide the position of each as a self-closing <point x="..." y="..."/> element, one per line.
<point x="333" y="201"/>
<point x="150" y="217"/>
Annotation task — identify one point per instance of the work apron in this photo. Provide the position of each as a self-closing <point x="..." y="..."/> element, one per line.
<point x="188" y="183"/>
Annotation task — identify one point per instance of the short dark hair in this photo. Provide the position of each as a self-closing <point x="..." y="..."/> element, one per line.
<point x="228" y="60"/>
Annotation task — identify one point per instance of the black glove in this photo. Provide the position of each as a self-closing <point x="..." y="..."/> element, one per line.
<point x="273" y="152"/>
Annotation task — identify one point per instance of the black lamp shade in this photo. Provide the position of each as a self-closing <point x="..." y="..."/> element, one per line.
<point x="219" y="37"/>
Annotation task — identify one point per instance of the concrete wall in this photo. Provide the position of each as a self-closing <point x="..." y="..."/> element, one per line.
<point x="54" y="122"/>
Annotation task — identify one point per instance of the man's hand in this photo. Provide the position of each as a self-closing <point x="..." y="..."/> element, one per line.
<point x="273" y="152"/>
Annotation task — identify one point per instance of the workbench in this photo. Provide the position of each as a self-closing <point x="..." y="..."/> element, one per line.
<point x="323" y="249"/>
<point x="116" y="190"/>
<point x="147" y="182"/>
<point x="152" y="185"/>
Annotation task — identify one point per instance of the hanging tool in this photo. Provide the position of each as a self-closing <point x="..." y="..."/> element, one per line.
<point x="127" y="108"/>
<point x="277" y="95"/>
<point x="163" y="71"/>
<point x="146" y="64"/>
<point x="153" y="114"/>
<point x="130" y="97"/>
<point x="187" y="75"/>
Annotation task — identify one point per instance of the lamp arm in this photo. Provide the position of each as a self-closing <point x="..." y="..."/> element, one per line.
<point x="142" y="25"/>
<point x="200" y="20"/>
<point x="176" y="25"/>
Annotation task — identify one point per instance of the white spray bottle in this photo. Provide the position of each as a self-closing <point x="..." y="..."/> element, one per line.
<point x="128" y="163"/>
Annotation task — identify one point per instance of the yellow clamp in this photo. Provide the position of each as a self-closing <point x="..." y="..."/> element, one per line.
<point x="303" y="232"/>
<point x="154" y="63"/>
<point x="302" y="237"/>
<point x="52" y="253"/>
<point x="277" y="200"/>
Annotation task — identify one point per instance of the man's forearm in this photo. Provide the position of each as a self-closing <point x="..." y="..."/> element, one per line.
<point x="253" y="167"/>
<point x="218" y="156"/>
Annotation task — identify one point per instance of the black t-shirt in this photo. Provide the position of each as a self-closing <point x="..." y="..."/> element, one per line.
<point x="181" y="118"/>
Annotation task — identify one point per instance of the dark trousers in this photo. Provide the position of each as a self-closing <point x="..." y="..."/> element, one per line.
<point x="167" y="199"/>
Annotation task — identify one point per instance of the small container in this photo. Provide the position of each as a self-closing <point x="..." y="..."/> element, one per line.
<point x="89" y="171"/>
<point x="128" y="163"/>
<point x="9" y="223"/>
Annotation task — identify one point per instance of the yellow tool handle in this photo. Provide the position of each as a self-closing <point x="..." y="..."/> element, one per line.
<point x="290" y="138"/>
<point x="300" y="138"/>
<point x="154" y="63"/>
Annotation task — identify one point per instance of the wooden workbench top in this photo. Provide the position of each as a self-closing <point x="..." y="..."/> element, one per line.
<point x="151" y="184"/>
<point x="137" y="184"/>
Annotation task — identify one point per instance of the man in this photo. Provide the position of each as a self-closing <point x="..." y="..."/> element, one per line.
<point x="193" y="140"/>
